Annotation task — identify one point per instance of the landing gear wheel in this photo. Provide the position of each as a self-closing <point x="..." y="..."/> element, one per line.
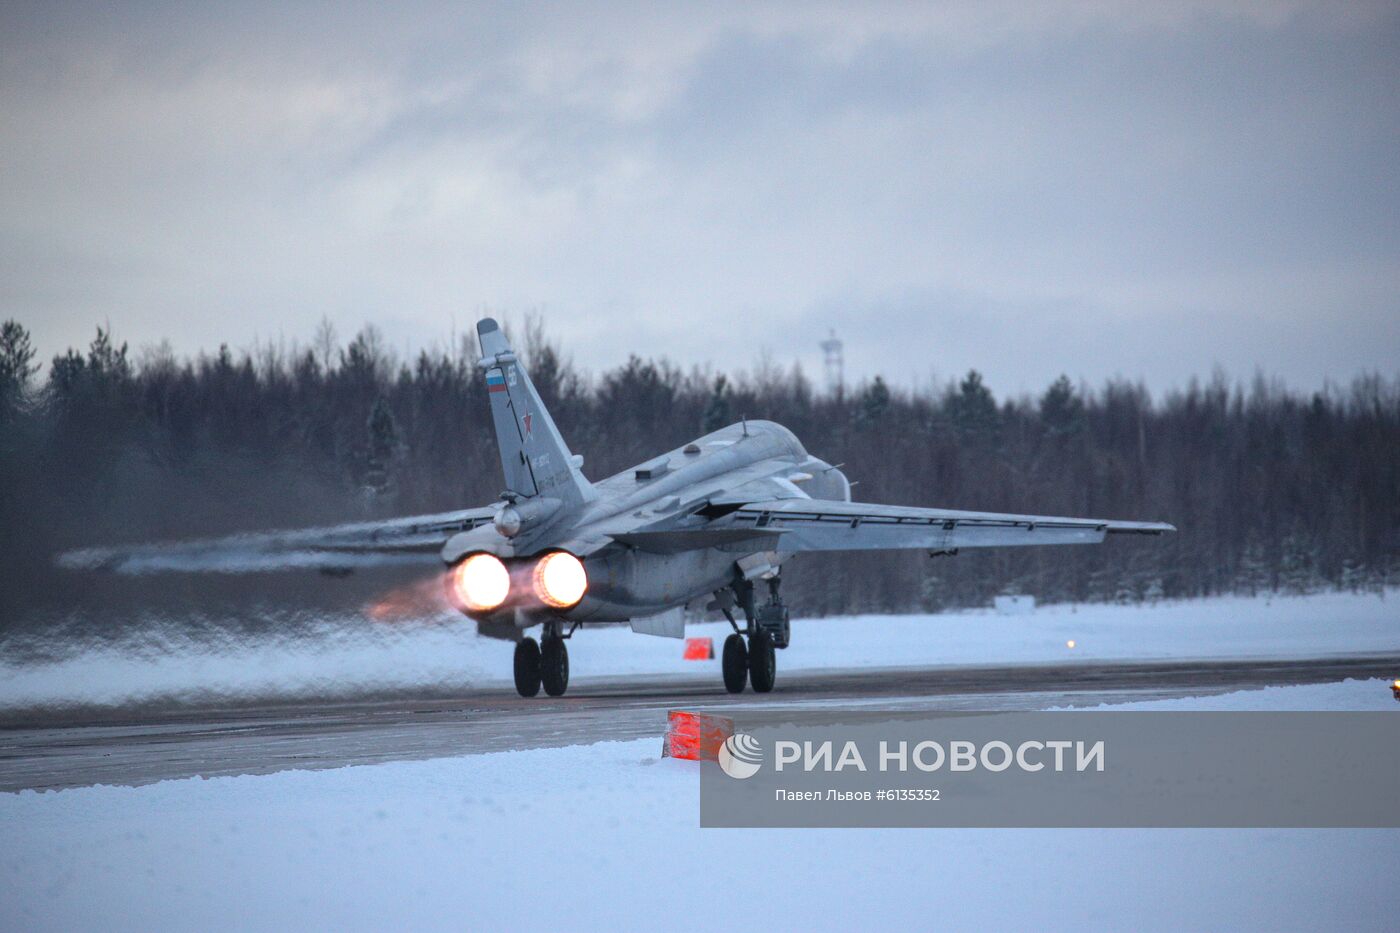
<point x="763" y="665"/>
<point x="736" y="663"/>
<point x="527" y="667"/>
<point x="554" y="666"/>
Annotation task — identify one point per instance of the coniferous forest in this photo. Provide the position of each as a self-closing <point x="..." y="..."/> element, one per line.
<point x="1272" y="490"/>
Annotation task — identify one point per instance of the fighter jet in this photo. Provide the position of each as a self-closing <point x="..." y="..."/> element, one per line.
<point x="703" y="526"/>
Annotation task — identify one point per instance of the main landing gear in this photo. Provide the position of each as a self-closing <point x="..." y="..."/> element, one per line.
<point x="768" y="627"/>
<point x="542" y="663"/>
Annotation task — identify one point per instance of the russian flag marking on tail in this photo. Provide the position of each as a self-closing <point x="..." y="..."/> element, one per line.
<point x="495" y="382"/>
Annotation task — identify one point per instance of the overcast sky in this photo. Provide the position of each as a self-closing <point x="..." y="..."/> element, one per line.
<point x="1149" y="189"/>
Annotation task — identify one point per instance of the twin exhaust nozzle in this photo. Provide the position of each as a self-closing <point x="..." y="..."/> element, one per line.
<point x="483" y="583"/>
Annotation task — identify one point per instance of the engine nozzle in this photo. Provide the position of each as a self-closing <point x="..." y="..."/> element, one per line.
<point x="560" y="580"/>
<point x="481" y="582"/>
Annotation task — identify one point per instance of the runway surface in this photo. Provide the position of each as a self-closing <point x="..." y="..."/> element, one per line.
<point x="56" y="749"/>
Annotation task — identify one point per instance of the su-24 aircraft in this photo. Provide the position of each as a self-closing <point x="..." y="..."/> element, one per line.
<point x="700" y="526"/>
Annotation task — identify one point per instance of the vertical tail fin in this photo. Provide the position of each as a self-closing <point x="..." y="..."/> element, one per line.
<point x="534" y="457"/>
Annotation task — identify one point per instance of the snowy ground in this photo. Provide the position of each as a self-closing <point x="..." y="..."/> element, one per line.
<point x="606" y="837"/>
<point x="353" y="656"/>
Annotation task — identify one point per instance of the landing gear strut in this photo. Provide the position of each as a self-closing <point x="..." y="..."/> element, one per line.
<point x="767" y="627"/>
<point x="772" y="617"/>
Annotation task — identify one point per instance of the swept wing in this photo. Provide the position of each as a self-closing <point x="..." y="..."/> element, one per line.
<point x="416" y="539"/>
<point x="824" y="525"/>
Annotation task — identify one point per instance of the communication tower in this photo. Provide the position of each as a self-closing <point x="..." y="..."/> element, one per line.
<point x="835" y="365"/>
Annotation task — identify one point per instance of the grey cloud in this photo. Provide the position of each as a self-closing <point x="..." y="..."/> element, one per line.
<point x="1146" y="190"/>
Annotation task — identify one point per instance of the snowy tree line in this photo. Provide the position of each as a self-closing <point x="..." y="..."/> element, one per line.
<point x="1272" y="490"/>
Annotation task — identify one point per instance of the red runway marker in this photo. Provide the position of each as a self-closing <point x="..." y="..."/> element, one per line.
<point x="699" y="649"/>
<point x="695" y="736"/>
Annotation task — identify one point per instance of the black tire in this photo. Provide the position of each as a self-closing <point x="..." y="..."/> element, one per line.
<point x="554" y="666"/>
<point x="736" y="663"/>
<point x="527" y="667"/>
<point x="763" y="664"/>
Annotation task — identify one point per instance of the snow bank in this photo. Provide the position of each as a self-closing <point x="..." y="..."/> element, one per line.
<point x="354" y="656"/>
<point x="1349" y="695"/>
<point x="606" y="837"/>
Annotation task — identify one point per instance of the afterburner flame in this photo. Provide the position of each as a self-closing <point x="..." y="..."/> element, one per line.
<point x="560" y="580"/>
<point x="482" y="582"/>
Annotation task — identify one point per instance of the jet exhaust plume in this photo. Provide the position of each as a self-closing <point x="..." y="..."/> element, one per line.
<point x="421" y="599"/>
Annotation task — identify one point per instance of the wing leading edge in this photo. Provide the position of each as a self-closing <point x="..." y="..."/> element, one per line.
<point x="825" y="525"/>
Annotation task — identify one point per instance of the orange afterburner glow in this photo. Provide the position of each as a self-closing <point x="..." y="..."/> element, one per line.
<point x="482" y="582"/>
<point x="560" y="580"/>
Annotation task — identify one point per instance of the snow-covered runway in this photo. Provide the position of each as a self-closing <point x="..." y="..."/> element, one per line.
<point x="606" y="836"/>
<point x="142" y="746"/>
<point x="167" y="701"/>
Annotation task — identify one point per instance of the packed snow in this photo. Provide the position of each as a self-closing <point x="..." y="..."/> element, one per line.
<point x="342" y="657"/>
<point x="606" y="837"/>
